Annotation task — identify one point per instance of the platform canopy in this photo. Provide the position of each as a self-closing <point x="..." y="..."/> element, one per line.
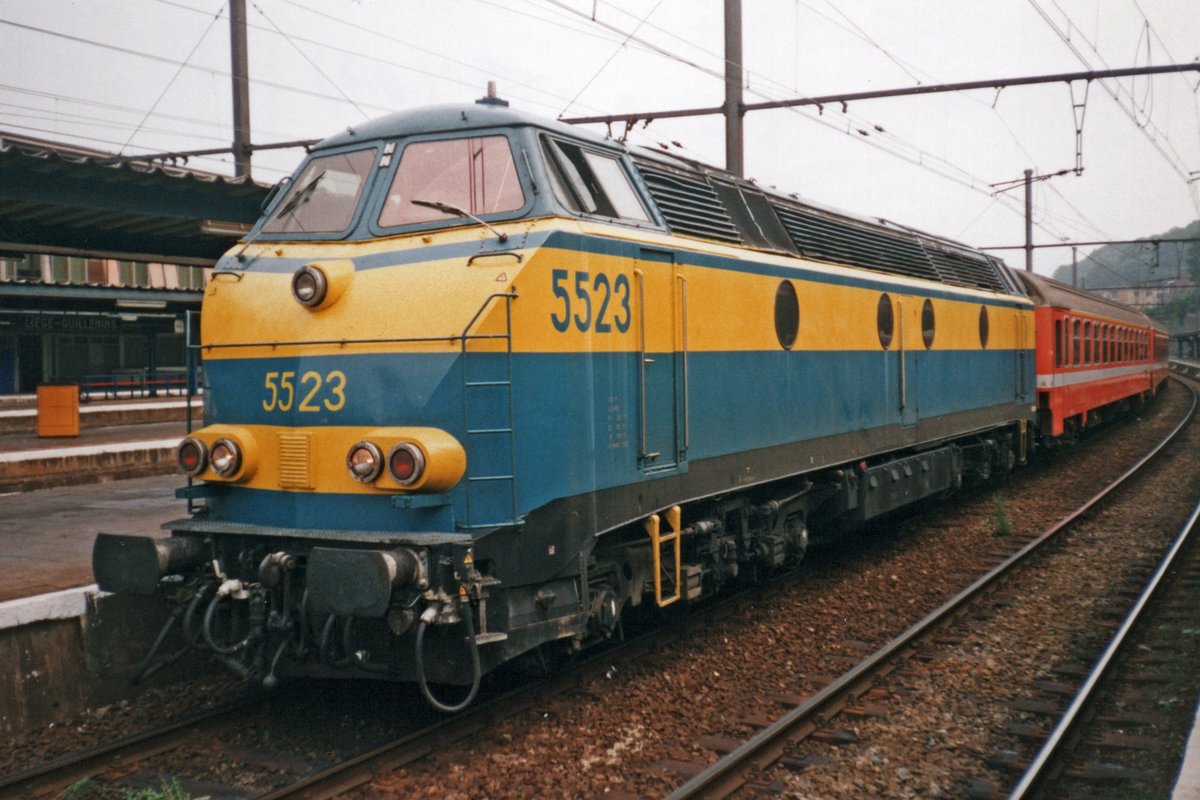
<point x="66" y="200"/>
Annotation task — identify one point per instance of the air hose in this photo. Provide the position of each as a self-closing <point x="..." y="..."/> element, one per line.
<point x="476" y="670"/>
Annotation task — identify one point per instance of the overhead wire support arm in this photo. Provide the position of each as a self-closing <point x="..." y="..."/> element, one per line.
<point x="994" y="83"/>
<point x="1091" y="244"/>
<point x="211" y="151"/>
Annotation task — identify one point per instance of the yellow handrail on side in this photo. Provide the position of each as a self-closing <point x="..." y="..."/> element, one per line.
<point x="653" y="525"/>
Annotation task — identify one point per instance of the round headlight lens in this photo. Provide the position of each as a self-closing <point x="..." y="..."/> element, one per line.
<point x="226" y="458"/>
<point x="309" y="286"/>
<point x="192" y="456"/>
<point x="406" y="463"/>
<point x="365" y="462"/>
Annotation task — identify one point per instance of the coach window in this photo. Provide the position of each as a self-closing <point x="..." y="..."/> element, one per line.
<point x="589" y="182"/>
<point x="885" y="321"/>
<point x="927" y="323"/>
<point x="1087" y="341"/>
<point x="983" y="327"/>
<point x="475" y="175"/>
<point x="1058" y="342"/>
<point x="324" y="197"/>
<point x="1076" y="344"/>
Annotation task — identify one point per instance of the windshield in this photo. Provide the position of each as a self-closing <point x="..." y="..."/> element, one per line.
<point x="476" y="175"/>
<point x="324" y="196"/>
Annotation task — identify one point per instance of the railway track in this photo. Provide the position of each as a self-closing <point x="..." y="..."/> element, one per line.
<point x="543" y="698"/>
<point x="121" y="758"/>
<point x="52" y="778"/>
<point x="746" y="764"/>
<point x="1094" y="748"/>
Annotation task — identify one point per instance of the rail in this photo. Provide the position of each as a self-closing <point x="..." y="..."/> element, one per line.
<point x="725" y="776"/>
<point x="1041" y="765"/>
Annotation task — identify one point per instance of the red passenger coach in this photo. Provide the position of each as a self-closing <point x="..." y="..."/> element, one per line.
<point x="1093" y="355"/>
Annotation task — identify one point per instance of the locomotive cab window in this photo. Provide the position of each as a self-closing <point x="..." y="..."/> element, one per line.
<point x="446" y="179"/>
<point x="590" y="182"/>
<point x="324" y="197"/>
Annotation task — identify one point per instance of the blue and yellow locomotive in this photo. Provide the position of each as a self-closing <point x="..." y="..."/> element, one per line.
<point x="477" y="382"/>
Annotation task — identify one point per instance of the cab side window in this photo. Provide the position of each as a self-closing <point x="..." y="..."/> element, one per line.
<point x="591" y="182"/>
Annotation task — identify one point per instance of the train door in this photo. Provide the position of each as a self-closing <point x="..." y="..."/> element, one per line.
<point x="1022" y="387"/>
<point x="907" y="371"/>
<point x="661" y="367"/>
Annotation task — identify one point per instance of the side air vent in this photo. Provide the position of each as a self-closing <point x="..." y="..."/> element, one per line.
<point x="829" y="239"/>
<point x="834" y="240"/>
<point x="689" y="205"/>
<point x="965" y="269"/>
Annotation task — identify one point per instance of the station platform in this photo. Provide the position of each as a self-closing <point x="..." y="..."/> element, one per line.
<point x="57" y="493"/>
<point x="117" y="440"/>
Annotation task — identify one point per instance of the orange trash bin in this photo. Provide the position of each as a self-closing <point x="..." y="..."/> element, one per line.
<point x="58" y="409"/>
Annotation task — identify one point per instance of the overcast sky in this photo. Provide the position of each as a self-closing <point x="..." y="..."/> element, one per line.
<point x="143" y="76"/>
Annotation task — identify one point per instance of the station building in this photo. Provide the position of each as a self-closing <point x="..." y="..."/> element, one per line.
<point x="103" y="262"/>
<point x="84" y="320"/>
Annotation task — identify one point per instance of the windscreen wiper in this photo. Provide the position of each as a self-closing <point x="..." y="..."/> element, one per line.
<point x="301" y="197"/>
<point x="446" y="208"/>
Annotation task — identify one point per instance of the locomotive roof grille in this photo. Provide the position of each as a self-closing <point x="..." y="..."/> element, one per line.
<point x="966" y="270"/>
<point x="690" y="205"/>
<point x="831" y="240"/>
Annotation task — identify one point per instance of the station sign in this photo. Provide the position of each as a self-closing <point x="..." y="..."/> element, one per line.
<point x="15" y="322"/>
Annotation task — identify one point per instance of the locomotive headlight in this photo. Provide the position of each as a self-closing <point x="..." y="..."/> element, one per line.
<point x="406" y="463"/>
<point x="365" y="462"/>
<point x="226" y="458"/>
<point x="309" y="286"/>
<point x="192" y="456"/>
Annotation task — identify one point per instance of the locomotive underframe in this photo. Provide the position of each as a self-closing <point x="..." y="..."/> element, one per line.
<point x="446" y="608"/>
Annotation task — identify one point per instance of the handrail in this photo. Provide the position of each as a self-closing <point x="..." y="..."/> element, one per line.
<point x="454" y="337"/>
<point x="684" y="322"/>
<point x="464" y="339"/>
<point x="653" y="526"/>
<point x="903" y="377"/>
<point x="641" y="282"/>
<point x="483" y="307"/>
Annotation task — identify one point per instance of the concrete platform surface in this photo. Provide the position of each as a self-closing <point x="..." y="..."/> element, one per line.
<point x="46" y="535"/>
<point x="1187" y="785"/>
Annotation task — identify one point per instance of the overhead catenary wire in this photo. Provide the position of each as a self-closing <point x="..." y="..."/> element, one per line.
<point x="1156" y="137"/>
<point x="911" y="153"/>
<point x="187" y="60"/>
<point x="174" y="62"/>
<point x="311" y="63"/>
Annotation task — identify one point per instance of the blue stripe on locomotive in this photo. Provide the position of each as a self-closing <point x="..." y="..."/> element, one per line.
<point x="577" y="417"/>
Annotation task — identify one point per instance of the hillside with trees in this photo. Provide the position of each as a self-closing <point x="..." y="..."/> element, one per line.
<point x="1163" y="280"/>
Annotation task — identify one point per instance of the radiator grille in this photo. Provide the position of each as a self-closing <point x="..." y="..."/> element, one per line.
<point x="295" y="461"/>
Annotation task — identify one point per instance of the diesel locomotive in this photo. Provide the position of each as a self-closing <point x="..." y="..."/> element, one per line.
<point x="478" y="382"/>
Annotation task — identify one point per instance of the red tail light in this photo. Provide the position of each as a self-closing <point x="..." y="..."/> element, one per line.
<point x="406" y="463"/>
